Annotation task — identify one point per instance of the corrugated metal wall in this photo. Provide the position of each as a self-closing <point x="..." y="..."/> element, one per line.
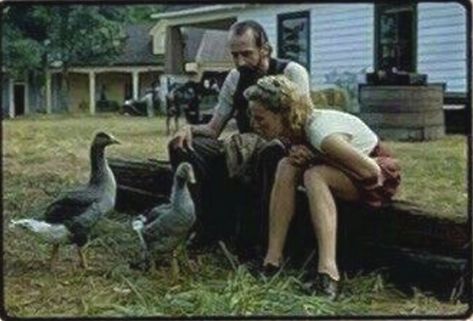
<point x="442" y="44"/>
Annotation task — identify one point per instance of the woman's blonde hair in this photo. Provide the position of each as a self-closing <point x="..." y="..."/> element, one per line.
<point x="281" y="96"/>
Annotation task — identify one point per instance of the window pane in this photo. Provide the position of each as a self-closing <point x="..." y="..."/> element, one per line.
<point x="294" y="38"/>
<point x="396" y="37"/>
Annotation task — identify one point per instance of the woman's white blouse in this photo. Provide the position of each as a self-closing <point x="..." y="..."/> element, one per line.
<point x="323" y="123"/>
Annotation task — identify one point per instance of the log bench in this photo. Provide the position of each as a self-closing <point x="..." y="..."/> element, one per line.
<point x="413" y="247"/>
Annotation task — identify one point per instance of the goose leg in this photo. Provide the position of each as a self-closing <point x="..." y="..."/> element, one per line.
<point x="190" y="264"/>
<point x="168" y="124"/>
<point x="83" y="261"/>
<point x="53" y="258"/>
<point x="184" y="256"/>
<point x="152" y="267"/>
<point x="174" y="266"/>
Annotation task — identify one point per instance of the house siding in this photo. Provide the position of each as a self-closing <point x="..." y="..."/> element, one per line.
<point x="442" y="44"/>
<point x="78" y="92"/>
<point x="114" y="85"/>
<point x="342" y="40"/>
<point x="35" y="94"/>
<point x="342" y="35"/>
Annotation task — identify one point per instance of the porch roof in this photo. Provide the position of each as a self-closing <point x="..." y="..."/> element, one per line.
<point x="197" y="10"/>
<point x="137" y="50"/>
<point x="138" y="47"/>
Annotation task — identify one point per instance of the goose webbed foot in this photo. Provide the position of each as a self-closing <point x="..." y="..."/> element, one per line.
<point x="141" y="264"/>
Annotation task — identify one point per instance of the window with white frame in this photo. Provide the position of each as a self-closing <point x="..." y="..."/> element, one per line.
<point x="294" y="37"/>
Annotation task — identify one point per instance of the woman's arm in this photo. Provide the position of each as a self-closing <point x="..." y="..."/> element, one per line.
<point x="349" y="159"/>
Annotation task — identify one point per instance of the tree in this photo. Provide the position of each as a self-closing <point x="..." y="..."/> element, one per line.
<point x="37" y="37"/>
<point x="40" y="36"/>
<point x="79" y="35"/>
<point x="23" y="34"/>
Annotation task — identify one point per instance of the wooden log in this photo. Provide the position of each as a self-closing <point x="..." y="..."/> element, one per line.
<point x="141" y="184"/>
<point x="400" y="236"/>
<point x="400" y="223"/>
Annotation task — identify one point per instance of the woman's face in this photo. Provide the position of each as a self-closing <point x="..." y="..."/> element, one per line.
<point x="265" y="122"/>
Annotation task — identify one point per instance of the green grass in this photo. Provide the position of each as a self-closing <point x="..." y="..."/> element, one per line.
<point x="434" y="174"/>
<point x="45" y="154"/>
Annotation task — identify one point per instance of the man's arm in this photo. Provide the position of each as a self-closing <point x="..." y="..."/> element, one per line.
<point x="222" y="113"/>
<point x="298" y="74"/>
<point x="213" y="128"/>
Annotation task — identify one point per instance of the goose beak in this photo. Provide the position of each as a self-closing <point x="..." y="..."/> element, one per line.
<point x="192" y="179"/>
<point x="114" y="141"/>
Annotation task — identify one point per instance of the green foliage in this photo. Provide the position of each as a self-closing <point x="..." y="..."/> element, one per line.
<point x="142" y="13"/>
<point x="39" y="35"/>
<point x="20" y="53"/>
<point x="80" y="34"/>
<point x="67" y="34"/>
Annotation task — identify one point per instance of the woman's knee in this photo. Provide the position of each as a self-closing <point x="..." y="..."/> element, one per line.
<point x="314" y="176"/>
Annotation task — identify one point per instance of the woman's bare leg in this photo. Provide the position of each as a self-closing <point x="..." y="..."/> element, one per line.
<point x="281" y="210"/>
<point x="322" y="182"/>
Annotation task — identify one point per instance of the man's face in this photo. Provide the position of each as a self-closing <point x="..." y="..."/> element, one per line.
<point x="246" y="54"/>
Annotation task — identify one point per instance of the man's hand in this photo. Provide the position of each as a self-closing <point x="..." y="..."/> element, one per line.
<point x="300" y="155"/>
<point x="183" y="138"/>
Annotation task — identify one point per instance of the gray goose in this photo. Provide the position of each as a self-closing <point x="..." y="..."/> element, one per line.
<point x="166" y="226"/>
<point x="69" y="218"/>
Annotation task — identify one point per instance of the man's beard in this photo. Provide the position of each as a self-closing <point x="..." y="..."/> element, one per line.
<point x="251" y="74"/>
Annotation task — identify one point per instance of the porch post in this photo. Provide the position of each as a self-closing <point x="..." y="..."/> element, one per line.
<point x="27" y="94"/>
<point x="49" y="106"/>
<point x="11" y="97"/>
<point x="135" y="84"/>
<point x="92" y="92"/>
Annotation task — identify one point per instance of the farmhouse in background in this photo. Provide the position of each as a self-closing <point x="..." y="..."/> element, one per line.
<point x="95" y="88"/>
<point x="334" y="41"/>
<point x="340" y="43"/>
<point x="337" y="43"/>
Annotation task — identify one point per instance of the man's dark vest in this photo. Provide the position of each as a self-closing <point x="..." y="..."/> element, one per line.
<point x="240" y="104"/>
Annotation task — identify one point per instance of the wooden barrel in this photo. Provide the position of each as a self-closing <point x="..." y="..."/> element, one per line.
<point x="412" y="113"/>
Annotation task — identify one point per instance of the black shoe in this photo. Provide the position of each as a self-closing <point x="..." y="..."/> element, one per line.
<point x="141" y="264"/>
<point x="256" y="269"/>
<point x="325" y="286"/>
<point x="270" y="270"/>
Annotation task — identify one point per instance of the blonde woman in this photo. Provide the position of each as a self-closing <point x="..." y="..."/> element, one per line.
<point x="352" y="165"/>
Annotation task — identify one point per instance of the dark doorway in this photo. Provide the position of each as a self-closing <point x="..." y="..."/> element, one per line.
<point x="19" y="99"/>
<point x="396" y="34"/>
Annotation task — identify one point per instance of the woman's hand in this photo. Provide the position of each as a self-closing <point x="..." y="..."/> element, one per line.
<point x="300" y="155"/>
